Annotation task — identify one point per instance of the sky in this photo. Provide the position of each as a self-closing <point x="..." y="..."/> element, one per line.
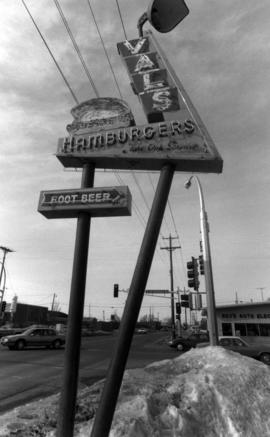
<point x="220" y="52"/>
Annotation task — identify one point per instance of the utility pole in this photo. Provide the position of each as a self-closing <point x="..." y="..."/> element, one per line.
<point x="171" y="248"/>
<point x="5" y="250"/>
<point x="261" y="288"/>
<point x="54" y="296"/>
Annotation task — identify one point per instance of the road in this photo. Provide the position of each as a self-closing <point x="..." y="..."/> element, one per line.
<point x="35" y="373"/>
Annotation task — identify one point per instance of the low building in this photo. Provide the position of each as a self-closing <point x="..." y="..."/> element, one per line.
<point x="248" y="320"/>
<point x="24" y="315"/>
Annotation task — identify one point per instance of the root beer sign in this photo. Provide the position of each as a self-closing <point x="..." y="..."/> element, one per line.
<point x="98" y="202"/>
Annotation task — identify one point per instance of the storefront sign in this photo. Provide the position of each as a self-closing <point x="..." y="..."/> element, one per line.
<point x="146" y="147"/>
<point x="98" y="202"/>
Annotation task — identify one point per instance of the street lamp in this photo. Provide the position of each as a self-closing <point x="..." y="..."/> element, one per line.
<point x="5" y="250"/>
<point x="209" y="283"/>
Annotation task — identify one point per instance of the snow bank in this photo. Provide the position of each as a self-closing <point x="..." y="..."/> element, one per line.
<point x="205" y="392"/>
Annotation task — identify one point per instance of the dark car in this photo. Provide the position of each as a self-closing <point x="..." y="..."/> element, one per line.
<point x="236" y="344"/>
<point x="34" y="337"/>
<point x="186" y="343"/>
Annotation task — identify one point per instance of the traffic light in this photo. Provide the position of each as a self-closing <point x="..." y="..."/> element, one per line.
<point x="178" y="310"/>
<point x="192" y="273"/>
<point x="3" y="306"/>
<point x="201" y="263"/>
<point x="186" y="301"/>
<point x="115" y="290"/>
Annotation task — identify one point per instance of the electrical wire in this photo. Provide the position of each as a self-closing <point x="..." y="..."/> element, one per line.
<point x="104" y="48"/>
<point x="75" y="45"/>
<point x="136" y="208"/>
<point x="50" y="52"/>
<point x="120" y="15"/>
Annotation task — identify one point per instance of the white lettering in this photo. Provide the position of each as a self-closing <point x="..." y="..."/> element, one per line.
<point x="148" y="85"/>
<point x="135" y="49"/>
<point x="53" y="199"/>
<point x="106" y="197"/>
<point x="144" y="63"/>
<point x="74" y="197"/>
<point x="162" y="100"/>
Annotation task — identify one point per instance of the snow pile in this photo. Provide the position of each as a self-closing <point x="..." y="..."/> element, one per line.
<point x="205" y="392"/>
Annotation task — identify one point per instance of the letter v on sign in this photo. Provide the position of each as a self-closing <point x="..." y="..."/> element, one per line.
<point x="133" y="47"/>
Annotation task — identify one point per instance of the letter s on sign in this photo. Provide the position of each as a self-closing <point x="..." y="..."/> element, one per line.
<point x="162" y="99"/>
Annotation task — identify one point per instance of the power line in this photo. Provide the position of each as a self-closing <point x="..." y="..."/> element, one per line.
<point x="120" y="15"/>
<point x="104" y="48"/>
<point x="136" y="208"/>
<point x="141" y="218"/>
<point x="50" y="52"/>
<point x="75" y="45"/>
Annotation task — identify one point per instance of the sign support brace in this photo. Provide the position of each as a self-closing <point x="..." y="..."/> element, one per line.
<point x="66" y="415"/>
<point x="105" y="412"/>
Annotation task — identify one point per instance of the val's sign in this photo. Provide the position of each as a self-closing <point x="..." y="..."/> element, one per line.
<point x="164" y="98"/>
<point x="98" y="202"/>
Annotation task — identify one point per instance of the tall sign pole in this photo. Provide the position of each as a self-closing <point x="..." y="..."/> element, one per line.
<point x="67" y="404"/>
<point x="116" y="370"/>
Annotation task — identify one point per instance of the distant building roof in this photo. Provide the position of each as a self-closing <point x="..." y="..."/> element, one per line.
<point x="243" y="304"/>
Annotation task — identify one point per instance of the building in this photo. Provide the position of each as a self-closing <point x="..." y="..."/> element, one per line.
<point x="24" y="315"/>
<point x="248" y="320"/>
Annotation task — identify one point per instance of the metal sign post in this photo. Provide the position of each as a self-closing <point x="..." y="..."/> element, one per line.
<point x="116" y="370"/>
<point x="66" y="414"/>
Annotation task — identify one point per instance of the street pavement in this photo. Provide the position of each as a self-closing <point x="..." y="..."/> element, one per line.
<point x="36" y="373"/>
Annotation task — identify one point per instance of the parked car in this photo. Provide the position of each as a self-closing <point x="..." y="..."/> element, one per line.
<point x="33" y="337"/>
<point x="186" y="343"/>
<point x="237" y="344"/>
<point x="141" y="331"/>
